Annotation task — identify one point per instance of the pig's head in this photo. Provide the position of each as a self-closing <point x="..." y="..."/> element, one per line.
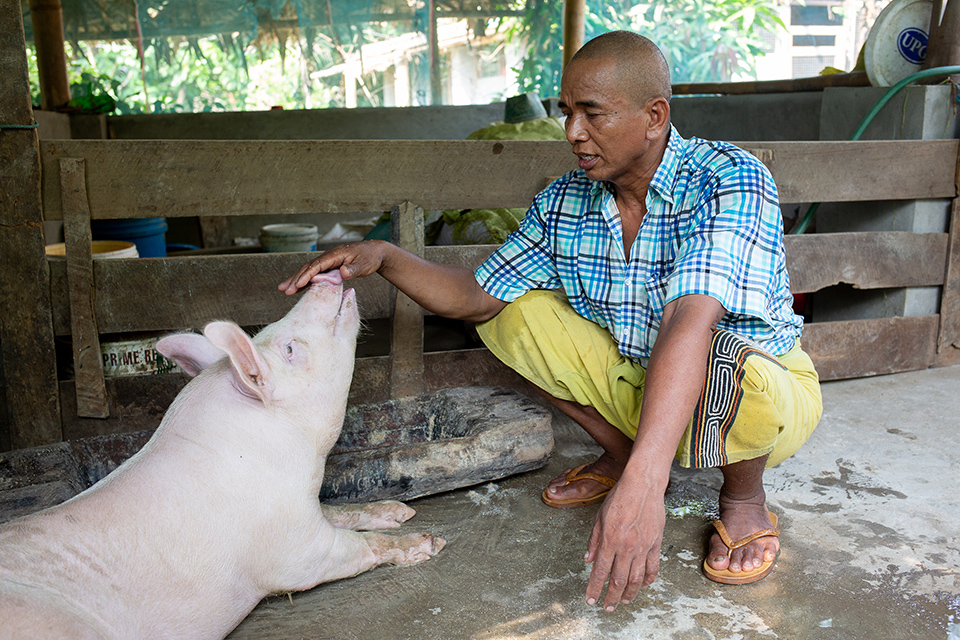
<point x="298" y="368"/>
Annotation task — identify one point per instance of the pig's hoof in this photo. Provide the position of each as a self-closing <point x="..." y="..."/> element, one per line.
<point x="389" y="514"/>
<point x="423" y="546"/>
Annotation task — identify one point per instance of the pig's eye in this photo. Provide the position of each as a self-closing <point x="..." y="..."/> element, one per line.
<point x="289" y="348"/>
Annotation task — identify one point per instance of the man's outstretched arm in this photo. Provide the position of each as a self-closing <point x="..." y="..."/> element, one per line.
<point x="447" y="291"/>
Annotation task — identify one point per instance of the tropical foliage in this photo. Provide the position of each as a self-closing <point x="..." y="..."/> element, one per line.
<point x="704" y="40"/>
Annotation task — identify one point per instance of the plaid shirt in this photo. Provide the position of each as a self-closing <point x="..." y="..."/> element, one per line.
<point x="712" y="227"/>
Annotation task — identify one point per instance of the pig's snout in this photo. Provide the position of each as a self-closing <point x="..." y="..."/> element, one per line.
<point x="328" y="277"/>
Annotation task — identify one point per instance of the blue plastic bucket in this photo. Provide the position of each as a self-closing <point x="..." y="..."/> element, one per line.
<point x="147" y="233"/>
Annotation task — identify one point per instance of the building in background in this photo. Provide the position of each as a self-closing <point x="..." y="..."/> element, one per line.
<point x="819" y="34"/>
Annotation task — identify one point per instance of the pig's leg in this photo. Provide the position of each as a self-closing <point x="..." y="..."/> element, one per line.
<point x="366" y="517"/>
<point x="350" y="553"/>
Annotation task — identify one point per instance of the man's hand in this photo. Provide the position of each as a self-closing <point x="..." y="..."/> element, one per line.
<point x="625" y="543"/>
<point x="353" y="260"/>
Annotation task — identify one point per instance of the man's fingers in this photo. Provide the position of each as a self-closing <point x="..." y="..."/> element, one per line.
<point x="619" y="581"/>
<point x="598" y="576"/>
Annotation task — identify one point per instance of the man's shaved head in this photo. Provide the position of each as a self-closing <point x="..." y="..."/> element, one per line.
<point x="639" y="61"/>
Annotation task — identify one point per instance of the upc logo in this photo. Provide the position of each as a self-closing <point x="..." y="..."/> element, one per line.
<point x="912" y="45"/>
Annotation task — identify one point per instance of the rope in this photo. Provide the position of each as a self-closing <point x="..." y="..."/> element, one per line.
<point x="20" y="126"/>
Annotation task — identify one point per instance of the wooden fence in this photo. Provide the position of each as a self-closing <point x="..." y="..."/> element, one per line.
<point x="103" y="179"/>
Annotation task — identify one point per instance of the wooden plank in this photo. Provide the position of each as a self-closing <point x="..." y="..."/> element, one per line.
<point x="858" y="348"/>
<point x="406" y="346"/>
<point x="170" y="178"/>
<point x="139" y="402"/>
<point x="815" y="83"/>
<point x="191" y="291"/>
<point x="949" y="333"/>
<point x="860" y="171"/>
<point x="87" y="366"/>
<point x="32" y="411"/>
<point x="148" y="178"/>
<point x="870" y="260"/>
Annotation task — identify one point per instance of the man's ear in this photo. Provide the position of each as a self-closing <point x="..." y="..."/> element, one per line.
<point x="659" y="111"/>
<point x="191" y="351"/>
<point x="250" y="372"/>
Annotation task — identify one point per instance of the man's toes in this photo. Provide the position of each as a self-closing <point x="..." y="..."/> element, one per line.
<point x="718" y="557"/>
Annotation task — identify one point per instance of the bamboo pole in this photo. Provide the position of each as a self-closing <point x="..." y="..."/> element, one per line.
<point x="574" y="12"/>
<point x="47" y="19"/>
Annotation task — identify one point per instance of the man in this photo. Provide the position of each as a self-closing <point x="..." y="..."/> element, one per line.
<point x="674" y="334"/>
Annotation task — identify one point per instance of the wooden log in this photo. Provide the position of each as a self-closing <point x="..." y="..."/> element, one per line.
<point x="87" y="366"/>
<point x="174" y="178"/>
<point x="870" y="260"/>
<point x="859" y="348"/>
<point x="406" y="346"/>
<point x="26" y="331"/>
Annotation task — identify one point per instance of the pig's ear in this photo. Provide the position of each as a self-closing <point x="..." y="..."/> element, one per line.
<point x="250" y="372"/>
<point x="191" y="351"/>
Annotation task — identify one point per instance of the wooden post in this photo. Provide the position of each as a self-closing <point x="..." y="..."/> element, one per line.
<point x="574" y="17"/>
<point x="406" y="351"/>
<point x="47" y="19"/>
<point x="26" y="325"/>
<point x="949" y="330"/>
<point x="436" y="81"/>
<point x="943" y="48"/>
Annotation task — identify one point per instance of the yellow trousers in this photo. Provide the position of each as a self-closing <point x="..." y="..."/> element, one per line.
<point x="752" y="404"/>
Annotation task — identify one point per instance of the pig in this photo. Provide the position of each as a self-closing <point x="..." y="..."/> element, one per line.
<point x="220" y="508"/>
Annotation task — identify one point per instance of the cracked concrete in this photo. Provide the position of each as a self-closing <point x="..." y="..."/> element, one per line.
<point x="869" y="510"/>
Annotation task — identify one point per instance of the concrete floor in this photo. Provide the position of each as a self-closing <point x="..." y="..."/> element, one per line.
<point x="869" y="509"/>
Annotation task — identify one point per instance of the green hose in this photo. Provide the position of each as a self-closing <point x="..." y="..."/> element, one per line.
<point x="801" y="226"/>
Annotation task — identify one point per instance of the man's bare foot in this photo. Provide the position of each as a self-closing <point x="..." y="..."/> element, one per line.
<point x="742" y="518"/>
<point x="560" y="490"/>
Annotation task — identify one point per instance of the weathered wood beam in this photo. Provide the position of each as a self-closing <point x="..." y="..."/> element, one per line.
<point x="176" y="178"/>
<point x="26" y="331"/>
<point x="87" y="366"/>
<point x="859" y="348"/>
<point x="868" y="260"/>
<point x="406" y="345"/>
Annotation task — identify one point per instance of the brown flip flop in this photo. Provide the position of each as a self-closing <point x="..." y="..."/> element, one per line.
<point x="726" y="576"/>
<point x="573" y="476"/>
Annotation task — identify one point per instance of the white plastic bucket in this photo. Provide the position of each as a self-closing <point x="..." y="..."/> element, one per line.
<point x="277" y="238"/>
<point x="101" y="250"/>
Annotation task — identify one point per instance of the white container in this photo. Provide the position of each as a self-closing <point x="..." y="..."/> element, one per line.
<point x="277" y="238"/>
<point x="100" y="249"/>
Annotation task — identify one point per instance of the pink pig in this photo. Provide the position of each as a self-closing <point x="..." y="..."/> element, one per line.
<point x="219" y="509"/>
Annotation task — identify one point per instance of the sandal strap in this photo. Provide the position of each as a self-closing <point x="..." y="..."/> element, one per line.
<point x="580" y="474"/>
<point x="722" y="530"/>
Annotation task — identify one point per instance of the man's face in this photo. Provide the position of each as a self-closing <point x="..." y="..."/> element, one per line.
<point x="605" y="125"/>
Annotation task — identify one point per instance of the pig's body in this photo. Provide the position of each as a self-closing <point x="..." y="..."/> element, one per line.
<point x="220" y="508"/>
